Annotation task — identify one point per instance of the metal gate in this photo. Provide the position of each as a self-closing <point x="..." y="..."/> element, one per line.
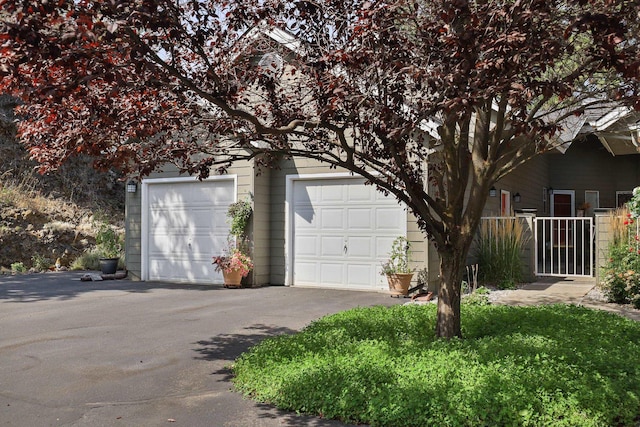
<point x="564" y="246"/>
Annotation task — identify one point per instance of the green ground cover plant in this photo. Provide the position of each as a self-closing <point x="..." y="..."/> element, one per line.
<point x="553" y="365"/>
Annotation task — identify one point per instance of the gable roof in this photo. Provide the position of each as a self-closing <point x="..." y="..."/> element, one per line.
<point x="617" y="127"/>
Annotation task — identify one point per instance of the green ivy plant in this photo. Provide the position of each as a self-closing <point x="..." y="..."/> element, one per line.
<point x="238" y="216"/>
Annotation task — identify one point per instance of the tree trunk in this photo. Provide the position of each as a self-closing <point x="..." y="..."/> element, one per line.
<point x="451" y="266"/>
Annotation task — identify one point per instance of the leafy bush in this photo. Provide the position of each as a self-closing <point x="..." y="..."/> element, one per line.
<point x="518" y="366"/>
<point x="40" y="262"/>
<point x="18" y="267"/>
<point x="478" y="297"/>
<point x="621" y="281"/>
<point x="500" y="243"/>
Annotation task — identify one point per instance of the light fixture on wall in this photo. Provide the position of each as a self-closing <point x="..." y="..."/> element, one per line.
<point x="493" y="192"/>
<point x="517" y="197"/>
<point x="132" y="187"/>
<point x="550" y="190"/>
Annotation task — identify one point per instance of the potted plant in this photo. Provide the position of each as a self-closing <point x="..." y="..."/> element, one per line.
<point x="396" y="268"/>
<point x="109" y="247"/>
<point x="234" y="265"/>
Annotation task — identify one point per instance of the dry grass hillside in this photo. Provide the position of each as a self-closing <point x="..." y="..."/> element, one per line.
<point x="43" y="218"/>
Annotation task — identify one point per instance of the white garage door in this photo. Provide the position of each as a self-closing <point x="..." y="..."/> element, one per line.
<point x="342" y="232"/>
<point x="186" y="227"/>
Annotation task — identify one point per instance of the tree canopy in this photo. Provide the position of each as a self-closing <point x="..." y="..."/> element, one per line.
<point x="432" y="102"/>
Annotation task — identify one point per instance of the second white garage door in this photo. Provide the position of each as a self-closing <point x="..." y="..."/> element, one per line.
<point x="342" y="231"/>
<point x="185" y="227"/>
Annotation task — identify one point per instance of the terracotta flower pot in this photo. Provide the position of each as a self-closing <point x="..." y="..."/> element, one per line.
<point x="399" y="283"/>
<point x="232" y="279"/>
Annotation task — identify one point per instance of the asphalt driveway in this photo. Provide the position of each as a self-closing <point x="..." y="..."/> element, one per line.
<point x="124" y="353"/>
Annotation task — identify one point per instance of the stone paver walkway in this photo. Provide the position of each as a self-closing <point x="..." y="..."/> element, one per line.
<point x="561" y="290"/>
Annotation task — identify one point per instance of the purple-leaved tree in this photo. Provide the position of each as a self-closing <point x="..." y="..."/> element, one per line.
<point x="451" y="93"/>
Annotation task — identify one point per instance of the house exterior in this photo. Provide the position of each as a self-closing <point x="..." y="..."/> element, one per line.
<point x="311" y="226"/>
<point x="321" y="227"/>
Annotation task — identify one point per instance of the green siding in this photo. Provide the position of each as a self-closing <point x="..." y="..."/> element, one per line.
<point x="528" y="180"/>
<point x="589" y="166"/>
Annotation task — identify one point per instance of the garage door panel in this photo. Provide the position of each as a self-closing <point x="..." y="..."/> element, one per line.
<point x="163" y="243"/>
<point x="359" y="275"/>
<point x="389" y="219"/>
<point x="197" y="218"/>
<point x="191" y="193"/>
<point x="331" y="274"/>
<point x="306" y="273"/>
<point x="305" y="218"/>
<point x="332" y="219"/>
<point x="184" y="271"/>
<point x="160" y="219"/>
<point x="306" y="246"/>
<point x="222" y="194"/>
<point x="219" y="216"/>
<point x="206" y="246"/>
<point x="359" y="219"/>
<point x="383" y="246"/>
<point x="332" y="192"/>
<point x="379" y="197"/>
<point x="332" y="246"/>
<point x="360" y="193"/>
<point x="305" y="195"/>
<point x="361" y="247"/>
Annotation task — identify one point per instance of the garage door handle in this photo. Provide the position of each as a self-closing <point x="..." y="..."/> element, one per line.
<point x="345" y="248"/>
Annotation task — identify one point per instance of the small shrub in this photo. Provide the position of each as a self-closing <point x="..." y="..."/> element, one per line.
<point x="475" y="299"/>
<point x="89" y="260"/>
<point x="40" y="262"/>
<point x="109" y="242"/>
<point x="18" y="267"/>
<point x="478" y="297"/>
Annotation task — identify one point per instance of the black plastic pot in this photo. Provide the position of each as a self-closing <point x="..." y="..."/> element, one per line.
<point x="109" y="265"/>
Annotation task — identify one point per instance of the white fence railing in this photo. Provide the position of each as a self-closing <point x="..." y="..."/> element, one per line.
<point x="564" y="246"/>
